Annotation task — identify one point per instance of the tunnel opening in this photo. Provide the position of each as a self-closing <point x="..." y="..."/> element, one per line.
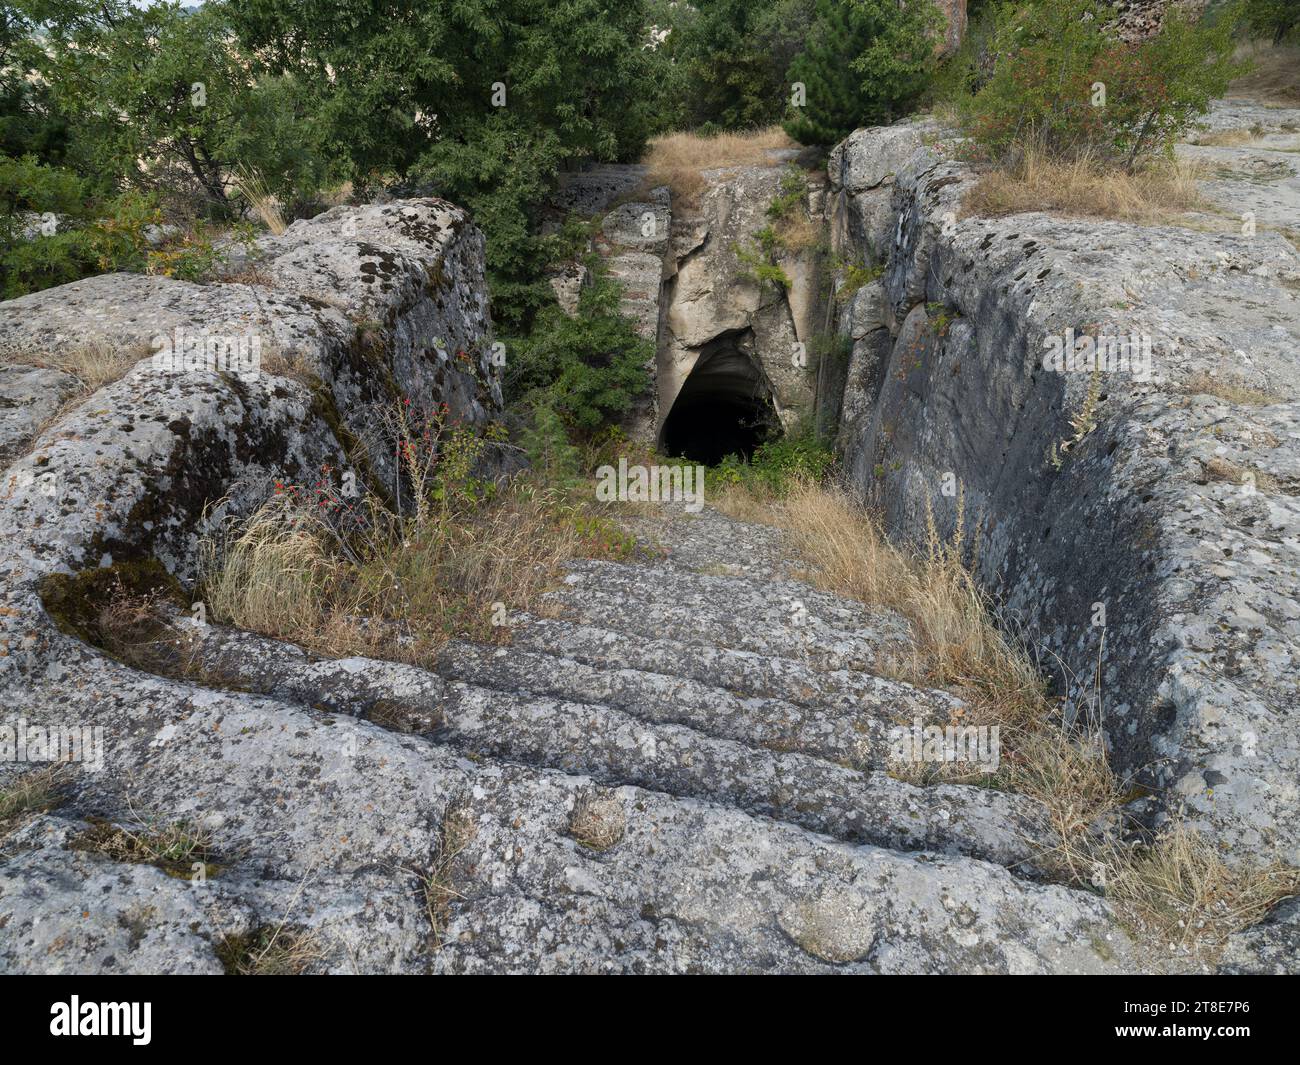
<point x="724" y="408"/>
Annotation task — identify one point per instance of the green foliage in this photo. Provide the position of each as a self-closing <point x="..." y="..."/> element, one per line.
<point x="1051" y="60"/>
<point x="588" y="367"/>
<point x="733" y="57"/>
<point x="758" y="261"/>
<point x="864" y="64"/>
<point x="54" y="230"/>
<point x="776" y="466"/>
<point x="1277" y="20"/>
<point x="416" y="90"/>
<point x="161" y="99"/>
<point x="551" y="456"/>
<point x="790" y="194"/>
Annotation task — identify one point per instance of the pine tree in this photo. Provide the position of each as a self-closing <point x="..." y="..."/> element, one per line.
<point x="865" y="62"/>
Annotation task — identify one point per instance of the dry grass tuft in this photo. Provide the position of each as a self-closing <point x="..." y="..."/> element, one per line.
<point x="598" y="821"/>
<point x="678" y="159"/>
<point x="1156" y="195"/>
<point x="399" y="587"/>
<point x="437" y="882"/>
<point x="1275" y="77"/>
<point x="958" y="645"/>
<point x="1229" y="390"/>
<point x="174" y="847"/>
<point x="270" y="950"/>
<point x="1223" y="138"/>
<point x="95" y="364"/>
<point x="1179" y="891"/>
<point x="250" y="185"/>
<point x="32" y="792"/>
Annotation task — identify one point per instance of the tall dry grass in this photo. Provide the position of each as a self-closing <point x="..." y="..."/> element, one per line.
<point x="401" y="589"/>
<point x="679" y="159"/>
<point x="94" y="363"/>
<point x="251" y="186"/>
<point x="1175" y="888"/>
<point x="1157" y="194"/>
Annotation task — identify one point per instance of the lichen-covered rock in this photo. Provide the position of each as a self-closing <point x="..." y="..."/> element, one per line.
<point x="1140" y="531"/>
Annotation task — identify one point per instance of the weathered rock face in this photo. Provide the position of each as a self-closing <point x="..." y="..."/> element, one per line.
<point x="685" y="287"/>
<point x="715" y="308"/>
<point x="1142" y="529"/>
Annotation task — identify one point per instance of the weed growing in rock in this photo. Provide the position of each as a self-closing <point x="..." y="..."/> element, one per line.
<point x="598" y="821"/>
<point x="32" y="792"/>
<point x="270" y="950"/>
<point x="175" y="847"/>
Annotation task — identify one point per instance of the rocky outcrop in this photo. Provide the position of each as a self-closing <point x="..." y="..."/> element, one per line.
<point x="1139" y="528"/>
<point x="398" y="818"/>
<point x="687" y="287"/>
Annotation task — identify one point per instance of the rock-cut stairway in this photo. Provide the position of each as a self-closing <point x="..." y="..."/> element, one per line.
<point x="711" y="677"/>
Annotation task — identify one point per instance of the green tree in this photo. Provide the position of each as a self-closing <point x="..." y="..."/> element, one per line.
<point x="733" y="57"/>
<point x="1065" y="83"/>
<point x="588" y="367"/>
<point x="485" y="101"/>
<point x="160" y="99"/>
<point x="1276" y="20"/>
<point x="865" y="63"/>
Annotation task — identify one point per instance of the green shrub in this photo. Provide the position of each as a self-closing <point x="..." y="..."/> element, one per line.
<point x="1064" y="84"/>
<point x="775" y="467"/>
<point x="589" y="367"/>
<point x="1276" y="20"/>
<point x="53" y="230"/>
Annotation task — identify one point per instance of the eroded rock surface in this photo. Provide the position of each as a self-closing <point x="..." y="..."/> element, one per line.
<point x="1142" y="528"/>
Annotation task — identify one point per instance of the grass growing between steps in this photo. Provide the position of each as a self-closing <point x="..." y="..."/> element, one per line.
<point x="1174" y="889"/>
<point x="345" y="576"/>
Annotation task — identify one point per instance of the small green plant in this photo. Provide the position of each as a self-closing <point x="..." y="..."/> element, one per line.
<point x="758" y="262"/>
<point x="175" y="847"/>
<point x="775" y="467"/>
<point x="790" y="195"/>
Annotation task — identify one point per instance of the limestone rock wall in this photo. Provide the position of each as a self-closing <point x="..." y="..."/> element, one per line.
<point x="1143" y="533"/>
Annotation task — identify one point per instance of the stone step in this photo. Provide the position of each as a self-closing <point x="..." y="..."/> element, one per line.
<point x="746" y="673"/>
<point x="857" y="738"/>
<point x="709" y="542"/>
<point x="773" y="625"/>
<point x="738" y="594"/>
<point x="617" y="748"/>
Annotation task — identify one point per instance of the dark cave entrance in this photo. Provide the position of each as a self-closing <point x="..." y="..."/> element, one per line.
<point x="724" y="408"/>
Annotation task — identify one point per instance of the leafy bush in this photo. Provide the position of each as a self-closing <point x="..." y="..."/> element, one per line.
<point x="1064" y="84"/>
<point x="865" y="63"/>
<point x="1277" y="20"/>
<point x="589" y="367"/>
<point x="775" y="467"/>
<point x="53" y="230"/>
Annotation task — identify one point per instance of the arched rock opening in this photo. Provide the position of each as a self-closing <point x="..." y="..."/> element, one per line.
<point x="724" y="407"/>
